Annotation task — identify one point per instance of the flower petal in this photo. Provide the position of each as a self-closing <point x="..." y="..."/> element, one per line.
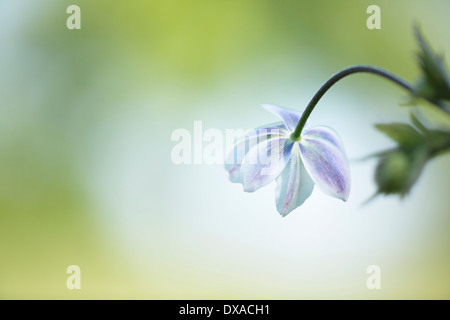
<point x="290" y="117"/>
<point x="326" y="162"/>
<point x="323" y="133"/>
<point x="277" y="125"/>
<point x="245" y="143"/>
<point x="264" y="162"/>
<point x="294" y="185"/>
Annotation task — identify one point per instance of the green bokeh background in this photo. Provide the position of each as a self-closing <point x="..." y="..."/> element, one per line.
<point x="86" y="177"/>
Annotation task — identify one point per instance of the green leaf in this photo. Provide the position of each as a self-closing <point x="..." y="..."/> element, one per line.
<point x="434" y="83"/>
<point x="417" y="123"/>
<point x="399" y="168"/>
<point x="404" y="134"/>
<point x="438" y="141"/>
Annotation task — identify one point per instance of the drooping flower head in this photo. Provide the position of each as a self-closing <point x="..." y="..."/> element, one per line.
<point x="271" y="153"/>
<point x="298" y="157"/>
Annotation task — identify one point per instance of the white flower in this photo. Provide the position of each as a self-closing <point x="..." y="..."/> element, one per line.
<point x="269" y="153"/>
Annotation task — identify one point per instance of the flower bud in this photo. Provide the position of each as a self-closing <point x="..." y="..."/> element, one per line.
<point x="392" y="173"/>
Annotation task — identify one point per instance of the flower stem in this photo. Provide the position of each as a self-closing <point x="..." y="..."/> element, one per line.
<point x="335" y="78"/>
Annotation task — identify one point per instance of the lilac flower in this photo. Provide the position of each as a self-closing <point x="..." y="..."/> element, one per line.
<point x="269" y="153"/>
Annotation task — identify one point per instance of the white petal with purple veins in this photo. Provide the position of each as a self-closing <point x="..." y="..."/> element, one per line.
<point x="326" y="162"/>
<point x="294" y="185"/>
<point x="323" y="133"/>
<point x="290" y="117"/>
<point x="244" y="144"/>
<point x="264" y="163"/>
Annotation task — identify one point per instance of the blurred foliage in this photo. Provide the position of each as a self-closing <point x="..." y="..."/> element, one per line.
<point x="399" y="168"/>
<point x="434" y="81"/>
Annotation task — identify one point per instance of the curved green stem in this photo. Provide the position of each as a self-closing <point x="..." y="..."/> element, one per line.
<point x="335" y="78"/>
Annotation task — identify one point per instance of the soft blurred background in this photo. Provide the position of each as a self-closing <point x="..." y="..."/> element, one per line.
<point x="86" y="177"/>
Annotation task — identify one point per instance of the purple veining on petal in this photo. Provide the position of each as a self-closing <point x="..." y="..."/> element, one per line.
<point x="294" y="185"/>
<point x="290" y="117"/>
<point x="244" y="144"/>
<point x="264" y="163"/>
<point x="323" y="133"/>
<point x="327" y="165"/>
